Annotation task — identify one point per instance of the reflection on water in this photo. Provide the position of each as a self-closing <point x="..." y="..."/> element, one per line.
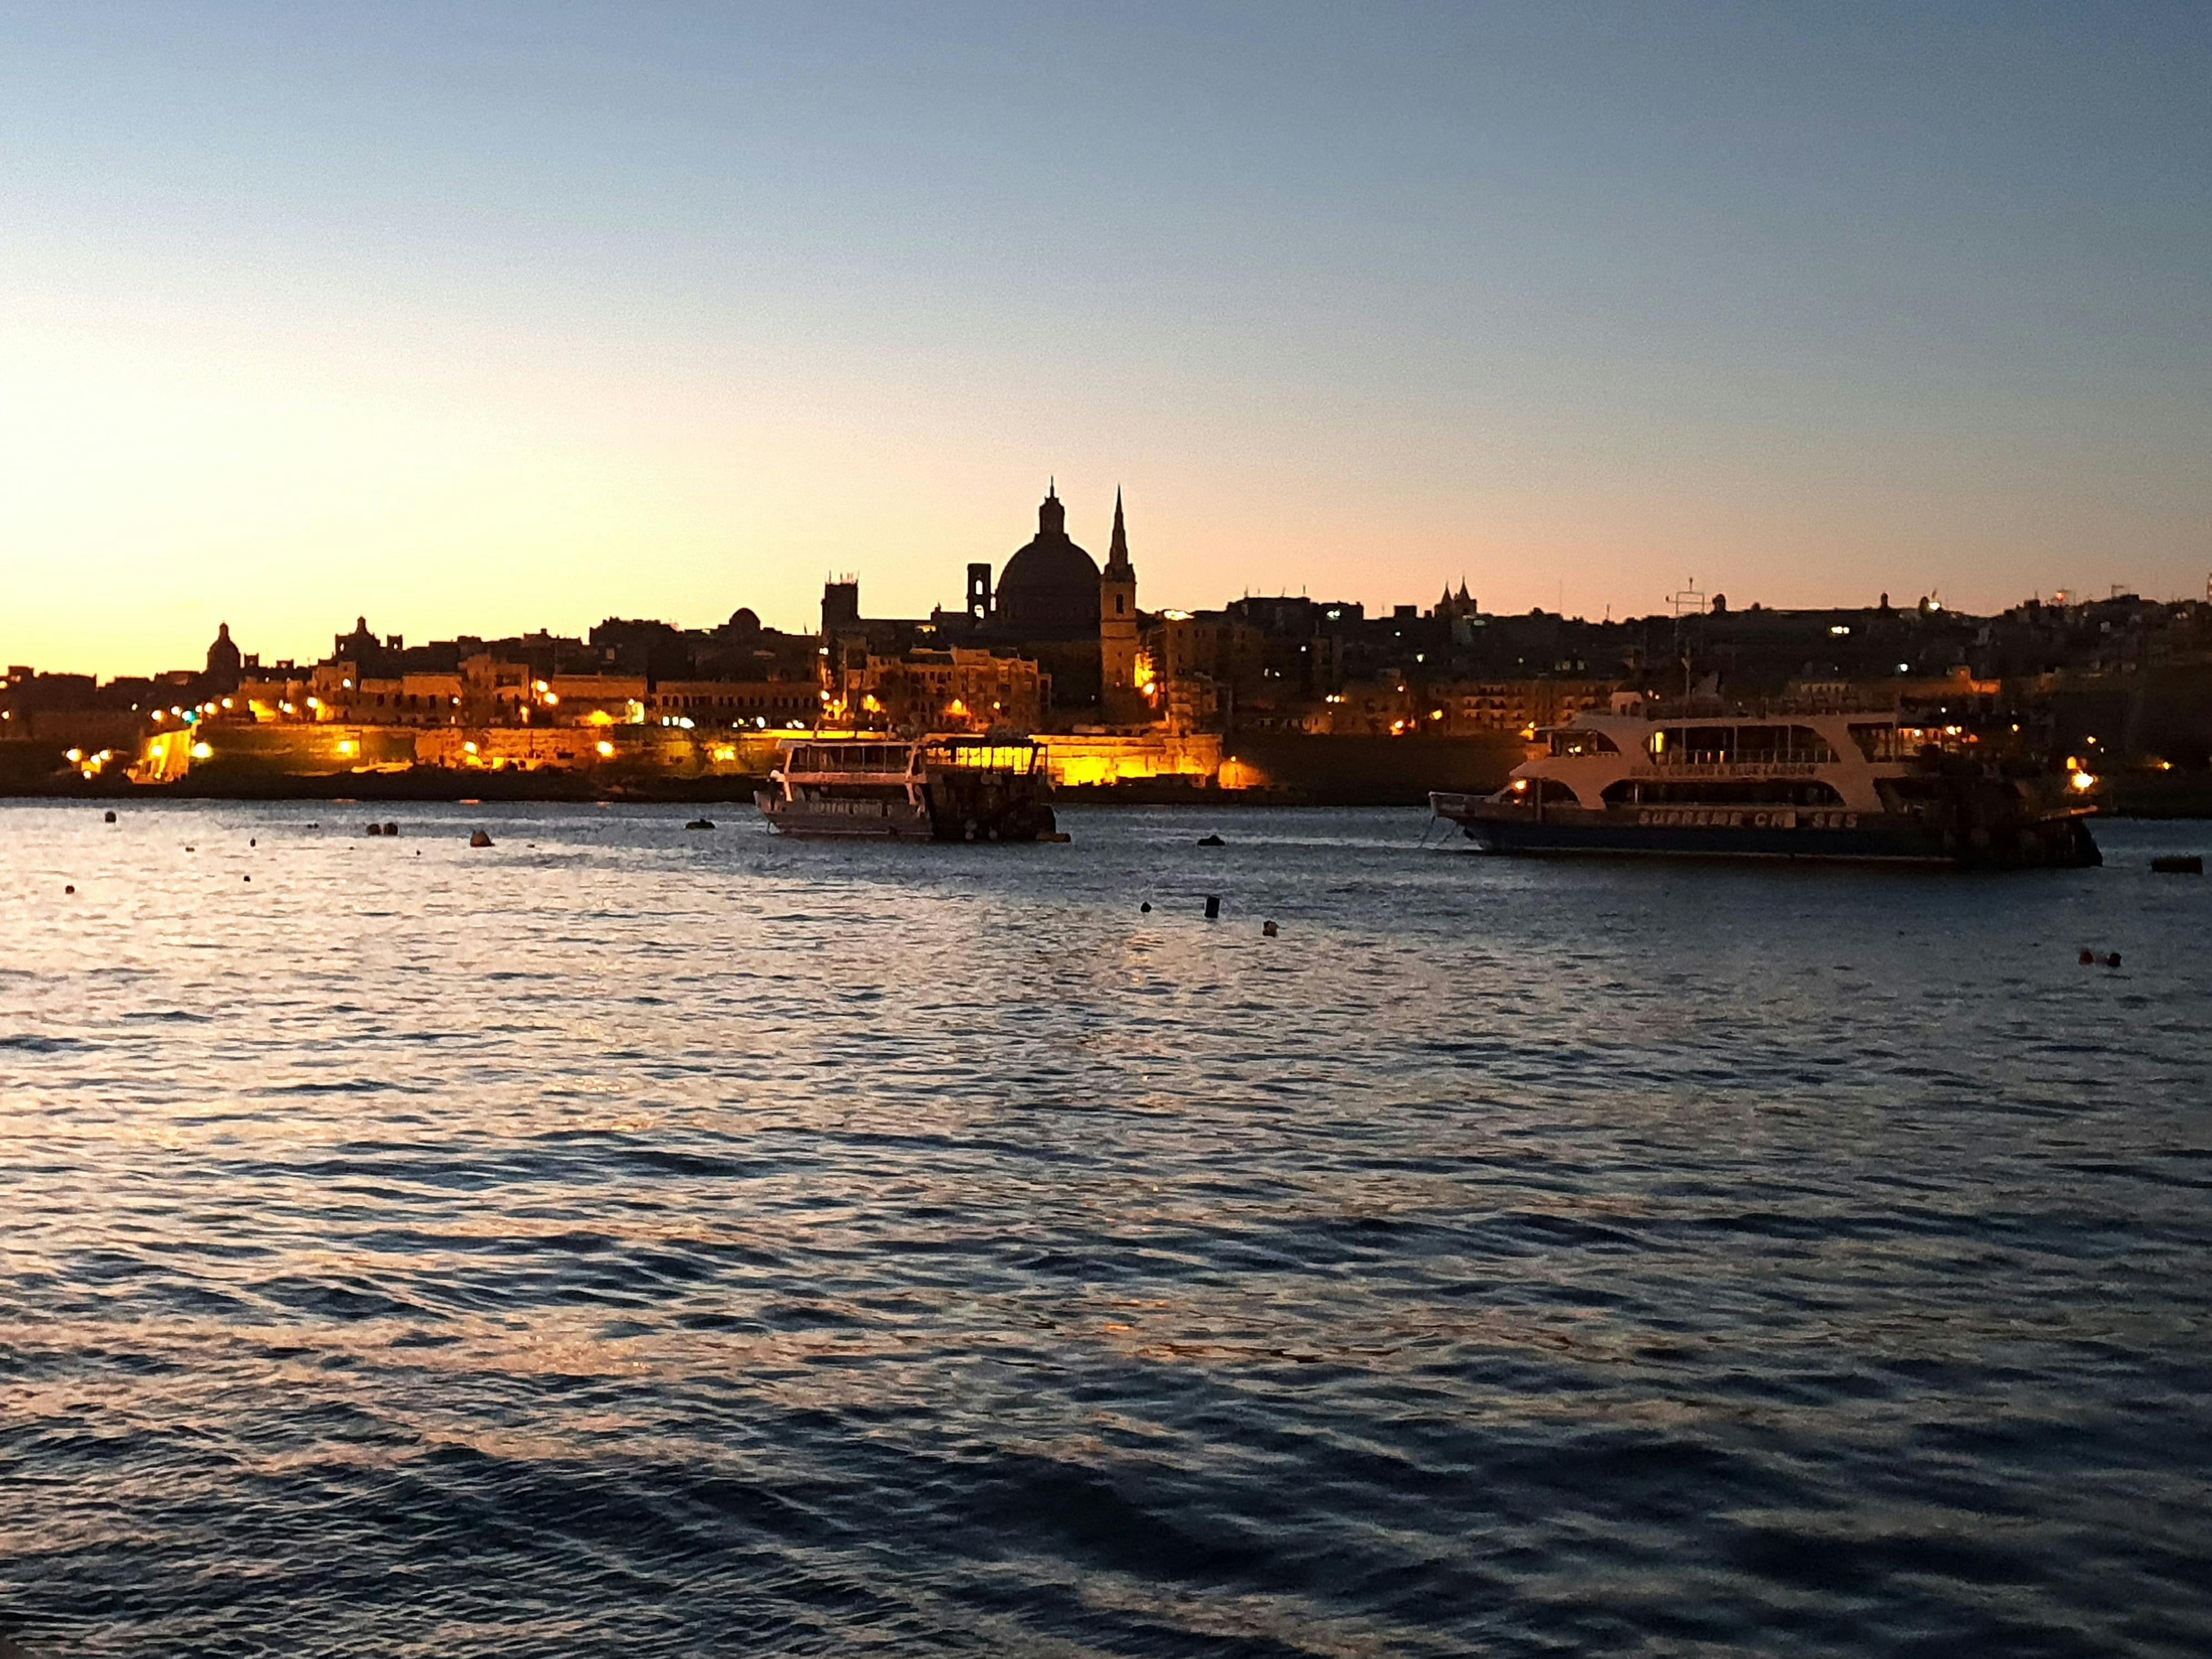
<point x="624" y="1240"/>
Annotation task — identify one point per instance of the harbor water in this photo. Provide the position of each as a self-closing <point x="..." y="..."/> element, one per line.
<point x="624" y="1239"/>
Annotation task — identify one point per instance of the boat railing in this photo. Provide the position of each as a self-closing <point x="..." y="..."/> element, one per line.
<point x="1789" y="704"/>
<point x="982" y="754"/>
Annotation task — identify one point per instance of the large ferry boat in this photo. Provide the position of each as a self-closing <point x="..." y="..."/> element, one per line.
<point x="936" y="788"/>
<point x="1650" y="777"/>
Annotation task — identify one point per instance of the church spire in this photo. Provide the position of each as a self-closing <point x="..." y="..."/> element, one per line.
<point x="1117" y="552"/>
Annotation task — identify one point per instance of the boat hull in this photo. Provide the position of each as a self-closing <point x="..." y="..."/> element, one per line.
<point x="845" y="820"/>
<point x="1022" y="819"/>
<point x="1755" y="833"/>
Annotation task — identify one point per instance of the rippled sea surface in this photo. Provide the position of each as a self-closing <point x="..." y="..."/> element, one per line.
<point x="638" y="1241"/>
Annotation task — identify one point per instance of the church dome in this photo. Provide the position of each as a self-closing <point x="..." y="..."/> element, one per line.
<point x="1051" y="583"/>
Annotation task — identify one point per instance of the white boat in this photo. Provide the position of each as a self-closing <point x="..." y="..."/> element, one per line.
<point x="1827" y="783"/>
<point x="934" y="788"/>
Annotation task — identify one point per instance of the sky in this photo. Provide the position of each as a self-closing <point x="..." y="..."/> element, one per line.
<point x="488" y="316"/>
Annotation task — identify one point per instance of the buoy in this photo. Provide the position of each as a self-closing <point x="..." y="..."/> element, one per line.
<point x="2088" y="958"/>
<point x="1212" y="840"/>
<point x="251" y="841"/>
<point x="2113" y="960"/>
<point x="249" y="879"/>
<point x="1269" y="929"/>
<point x="1213" y="907"/>
<point x="70" y="888"/>
<point x="479" y="839"/>
<point x="1146" y="909"/>
<point x="107" y="818"/>
<point x="390" y="828"/>
<point x="374" y="828"/>
<point x="700" y="823"/>
<point x="2173" y="863"/>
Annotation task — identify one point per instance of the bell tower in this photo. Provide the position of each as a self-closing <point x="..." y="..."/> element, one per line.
<point x="1121" y="703"/>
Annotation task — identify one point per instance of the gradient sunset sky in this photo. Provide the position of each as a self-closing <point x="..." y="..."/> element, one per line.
<point x="480" y="318"/>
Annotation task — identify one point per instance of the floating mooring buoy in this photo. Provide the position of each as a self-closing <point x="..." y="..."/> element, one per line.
<point x="479" y="839"/>
<point x="1213" y="907"/>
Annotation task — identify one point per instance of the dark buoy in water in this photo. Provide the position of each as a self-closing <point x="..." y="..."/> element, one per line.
<point x="246" y="878"/>
<point x="107" y="816"/>
<point x="2088" y="958"/>
<point x="374" y="828"/>
<point x="70" y="887"/>
<point x="700" y="823"/>
<point x="1269" y="929"/>
<point x="1146" y="909"/>
<point x="2113" y="960"/>
<point x="1212" y="840"/>
<point x="1213" y="907"/>
<point x="2173" y="864"/>
<point x="252" y="841"/>
<point x="478" y="838"/>
<point x="390" y="828"/>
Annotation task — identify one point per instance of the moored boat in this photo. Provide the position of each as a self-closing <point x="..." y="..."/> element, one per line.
<point x="935" y="788"/>
<point x="1692" y="779"/>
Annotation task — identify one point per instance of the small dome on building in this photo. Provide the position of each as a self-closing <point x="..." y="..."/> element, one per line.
<point x="1050" y="583"/>
<point x="743" y="621"/>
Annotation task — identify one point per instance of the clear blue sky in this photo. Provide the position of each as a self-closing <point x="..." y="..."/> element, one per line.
<point x="484" y="317"/>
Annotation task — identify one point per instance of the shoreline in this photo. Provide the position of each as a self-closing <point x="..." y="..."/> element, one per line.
<point x="505" y="789"/>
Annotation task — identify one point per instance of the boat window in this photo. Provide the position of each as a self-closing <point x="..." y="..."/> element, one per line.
<point x="1691" y="745"/>
<point x="1723" y="792"/>
<point x="1528" y="792"/>
<point x="1876" y="742"/>
<point x="1575" y="741"/>
<point x="1799" y="744"/>
<point x="1708" y="744"/>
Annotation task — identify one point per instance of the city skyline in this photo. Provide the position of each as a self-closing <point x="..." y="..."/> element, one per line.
<point x="524" y="317"/>
<point x="1691" y="590"/>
